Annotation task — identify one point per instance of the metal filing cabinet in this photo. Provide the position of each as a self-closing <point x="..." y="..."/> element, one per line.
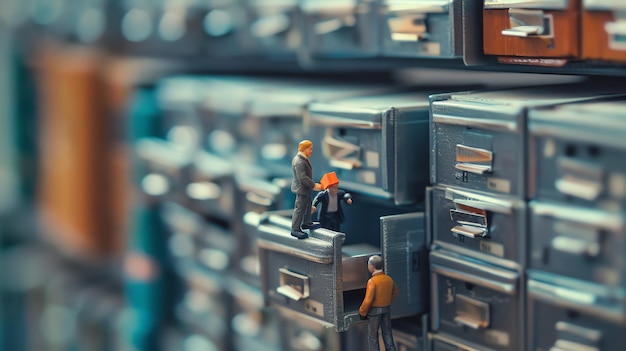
<point x="254" y="327"/>
<point x="338" y="28"/>
<point x="535" y="29"/>
<point x="167" y="167"/>
<point x="422" y="28"/>
<point x="488" y="227"/>
<point x="479" y="138"/>
<point x="568" y="314"/>
<point x="375" y="149"/>
<point x="178" y="98"/>
<point x="577" y="159"/>
<point x="476" y="301"/>
<point x="204" y="307"/>
<point x="195" y="240"/>
<point x="273" y="27"/>
<point x="324" y="279"/>
<point x="604" y="30"/>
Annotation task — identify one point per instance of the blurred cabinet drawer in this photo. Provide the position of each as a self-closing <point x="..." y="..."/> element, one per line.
<point x="577" y="242"/>
<point x="566" y="314"/>
<point x="604" y="30"/>
<point x="576" y="159"/>
<point x="422" y="28"/>
<point x="346" y="28"/>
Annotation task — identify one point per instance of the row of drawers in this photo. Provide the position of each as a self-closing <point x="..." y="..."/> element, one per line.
<point x="528" y="32"/>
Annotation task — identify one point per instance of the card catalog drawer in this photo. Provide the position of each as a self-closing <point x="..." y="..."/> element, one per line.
<point x="486" y="227"/>
<point x="580" y="158"/>
<point x="604" y="30"/>
<point x="577" y="242"/>
<point x="374" y="148"/>
<point x="474" y="301"/>
<point x="566" y="314"/>
<point x="532" y="28"/>
<point x="423" y="28"/>
<point x="339" y="27"/>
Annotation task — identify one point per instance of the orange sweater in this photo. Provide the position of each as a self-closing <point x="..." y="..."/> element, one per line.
<point x="380" y="292"/>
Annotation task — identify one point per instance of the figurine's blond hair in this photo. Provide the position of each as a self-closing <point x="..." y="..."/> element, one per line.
<point x="304" y="144"/>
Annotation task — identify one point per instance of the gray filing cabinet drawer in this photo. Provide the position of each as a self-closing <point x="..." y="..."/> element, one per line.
<point x="577" y="154"/>
<point x="568" y="314"/>
<point x="339" y="27"/>
<point x="375" y="149"/>
<point x="577" y="242"/>
<point x="324" y="279"/>
<point x="475" y="301"/>
<point x="422" y="28"/>
<point x="488" y="227"/>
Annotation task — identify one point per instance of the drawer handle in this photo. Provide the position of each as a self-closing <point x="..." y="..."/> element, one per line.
<point x="293" y="285"/>
<point x="473" y="160"/>
<point x="471" y="313"/>
<point x="472" y="221"/>
<point x="342" y="154"/>
<point x="617" y="34"/>
<point x="529" y="23"/>
<point x="408" y="27"/>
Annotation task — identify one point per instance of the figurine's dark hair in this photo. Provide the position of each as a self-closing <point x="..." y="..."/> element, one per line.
<point x="376" y="261"/>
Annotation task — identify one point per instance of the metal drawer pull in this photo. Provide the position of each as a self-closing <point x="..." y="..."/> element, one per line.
<point x="293" y="285"/>
<point x="572" y="337"/>
<point x="472" y="222"/>
<point x="617" y="34"/>
<point x="473" y="159"/>
<point x="576" y="238"/>
<point x="580" y="188"/>
<point x="333" y="25"/>
<point x="471" y="313"/>
<point x="529" y="23"/>
<point x="576" y="246"/>
<point x="342" y="154"/>
<point x="408" y="27"/>
<point x="579" y="178"/>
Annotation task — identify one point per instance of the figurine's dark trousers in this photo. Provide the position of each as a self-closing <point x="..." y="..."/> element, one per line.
<point x="379" y="318"/>
<point x="301" y="211"/>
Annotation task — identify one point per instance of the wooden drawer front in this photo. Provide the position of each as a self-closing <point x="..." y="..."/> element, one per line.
<point x="596" y="40"/>
<point x="562" y="43"/>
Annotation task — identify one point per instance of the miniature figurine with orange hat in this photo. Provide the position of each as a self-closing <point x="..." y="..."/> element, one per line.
<point x="331" y="214"/>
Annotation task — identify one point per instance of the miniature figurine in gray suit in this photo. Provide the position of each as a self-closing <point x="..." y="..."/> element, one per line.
<point x="303" y="185"/>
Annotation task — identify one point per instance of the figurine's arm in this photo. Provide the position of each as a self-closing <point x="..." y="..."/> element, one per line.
<point x="316" y="201"/>
<point x="394" y="292"/>
<point x="302" y="175"/>
<point x="369" y="298"/>
<point x="348" y="198"/>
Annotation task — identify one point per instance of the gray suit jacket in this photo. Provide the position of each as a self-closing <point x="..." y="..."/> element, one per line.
<point x="302" y="182"/>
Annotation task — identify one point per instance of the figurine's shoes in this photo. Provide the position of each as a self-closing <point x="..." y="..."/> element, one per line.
<point x="311" y="225"/>
<point x="299" y="234"/>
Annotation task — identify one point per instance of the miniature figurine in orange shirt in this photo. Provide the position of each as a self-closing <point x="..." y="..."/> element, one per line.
<point x="380" y="293"/>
